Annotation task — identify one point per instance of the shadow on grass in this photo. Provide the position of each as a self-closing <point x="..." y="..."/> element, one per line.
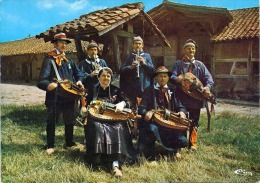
<point x="24" y="115"/>
<point x="13" y="148"/>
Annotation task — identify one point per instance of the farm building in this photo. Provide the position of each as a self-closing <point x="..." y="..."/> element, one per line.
<point x="228" y="42"/>
<point x="112" y="28"/>
<point x="22" y="60"/>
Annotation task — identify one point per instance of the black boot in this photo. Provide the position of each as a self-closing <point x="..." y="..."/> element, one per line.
<point x="50" y="130"/>
<point x="69" y="135"/>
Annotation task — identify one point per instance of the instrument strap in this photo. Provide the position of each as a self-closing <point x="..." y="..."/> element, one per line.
<point x="56" y="70"/>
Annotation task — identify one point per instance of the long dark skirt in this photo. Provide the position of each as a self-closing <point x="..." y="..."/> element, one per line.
<point x="108" y="141"/>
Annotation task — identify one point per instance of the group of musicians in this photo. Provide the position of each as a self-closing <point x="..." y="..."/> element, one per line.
<point x="143" y="88"/>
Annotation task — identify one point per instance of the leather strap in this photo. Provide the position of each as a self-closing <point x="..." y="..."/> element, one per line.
<point x="56" y="70"/>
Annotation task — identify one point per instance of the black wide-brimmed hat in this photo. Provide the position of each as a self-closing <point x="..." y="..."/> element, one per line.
<point x="162" y="69"/>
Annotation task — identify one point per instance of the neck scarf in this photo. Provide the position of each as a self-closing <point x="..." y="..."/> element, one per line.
<point x="163" y="94"/>
<point x="59" y="57"/>
<point x="186" y="59"/>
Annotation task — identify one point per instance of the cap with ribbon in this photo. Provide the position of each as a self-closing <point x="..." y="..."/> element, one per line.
<point x="162" y="69"/>
<point x="190" y="42"/>
<point x="60" y="37"/>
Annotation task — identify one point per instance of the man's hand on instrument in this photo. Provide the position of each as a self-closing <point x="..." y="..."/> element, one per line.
<point x="79" y="83"/>
<point x="94" y="73"/>
<point x="182" y="115"/>
<point x="120" y="106"/>
<point x="148" y="116"/>
<point x="141" y="60"/>
<point x="206" y="91"/>
<point x="52" y="86"/>
<point x="134" y="64"/>
<point x="180" y="78"/>
<point x="83" y="111"/>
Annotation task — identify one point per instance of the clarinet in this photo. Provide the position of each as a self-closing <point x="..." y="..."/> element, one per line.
<point x="95" y="63"/>
<point x="138" y="65"/>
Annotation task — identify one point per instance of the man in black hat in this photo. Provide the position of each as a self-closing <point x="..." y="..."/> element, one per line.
<point x="160" y="96"/>
<point x="90" y="67"/>
<point x="196" y="67"/>
<point x="66" y="69"/>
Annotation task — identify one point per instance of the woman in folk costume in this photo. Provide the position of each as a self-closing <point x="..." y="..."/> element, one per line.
<point x="160" y="96"/>
<point x="197" y="68"/>
<point x="108" y="141"/>
<point x="66" y="69"/>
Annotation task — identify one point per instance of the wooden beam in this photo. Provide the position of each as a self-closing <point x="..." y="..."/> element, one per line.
<point x="236" y="60"/>
<point x="117" y="24"/>
<point x="80" y="52"/>
<point x="116" y="52"/>
<point x="228" y="76"/>
<point x="249" y="63"/>
<point x="125" y="34"/>
<point x="128" y="39"/>
<point x="213" y="58"/>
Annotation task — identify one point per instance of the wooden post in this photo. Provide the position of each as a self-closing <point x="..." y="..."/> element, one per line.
<point x="249" y="64"/>
<point x="80" y="52"/>
<point x="212" y="60"/>
<point x="128" y="41"/>
<point x="116" y="52"/>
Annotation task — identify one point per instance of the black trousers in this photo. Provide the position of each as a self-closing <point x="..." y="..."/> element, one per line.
<point x="194" y="114"/>
<point x="53" y="111"/>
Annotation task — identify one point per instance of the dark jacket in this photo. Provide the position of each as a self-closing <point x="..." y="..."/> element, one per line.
<point x="89" y="82"/>
<point x="87" y="68"/>
<point x="129" y="83"/>
<point x="201" y="72"/>
<point x="149" y="103"/>
<point x="68" y="70"/>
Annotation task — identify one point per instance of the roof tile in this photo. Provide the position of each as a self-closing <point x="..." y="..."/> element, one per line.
<point x="245" y="25"/>
<point x="93" y="21"/>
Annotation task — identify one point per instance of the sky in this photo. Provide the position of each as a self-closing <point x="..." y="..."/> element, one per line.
<point x="20" y="19"/>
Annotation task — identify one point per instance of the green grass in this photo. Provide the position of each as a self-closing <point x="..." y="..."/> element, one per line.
<point x="232" y="144"/>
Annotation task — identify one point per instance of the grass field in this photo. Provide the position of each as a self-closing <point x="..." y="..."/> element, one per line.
<point x="233" y="143"/>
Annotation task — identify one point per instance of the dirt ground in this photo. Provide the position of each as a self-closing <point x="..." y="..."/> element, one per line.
<point x="19" y="94"/>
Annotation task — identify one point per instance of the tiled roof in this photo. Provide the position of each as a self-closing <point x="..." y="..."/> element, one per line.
<point x="30" y="46"/>
<point x="97" y="22"/>
<point x="100" y="22"/>
<point x="245" y="25"/>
